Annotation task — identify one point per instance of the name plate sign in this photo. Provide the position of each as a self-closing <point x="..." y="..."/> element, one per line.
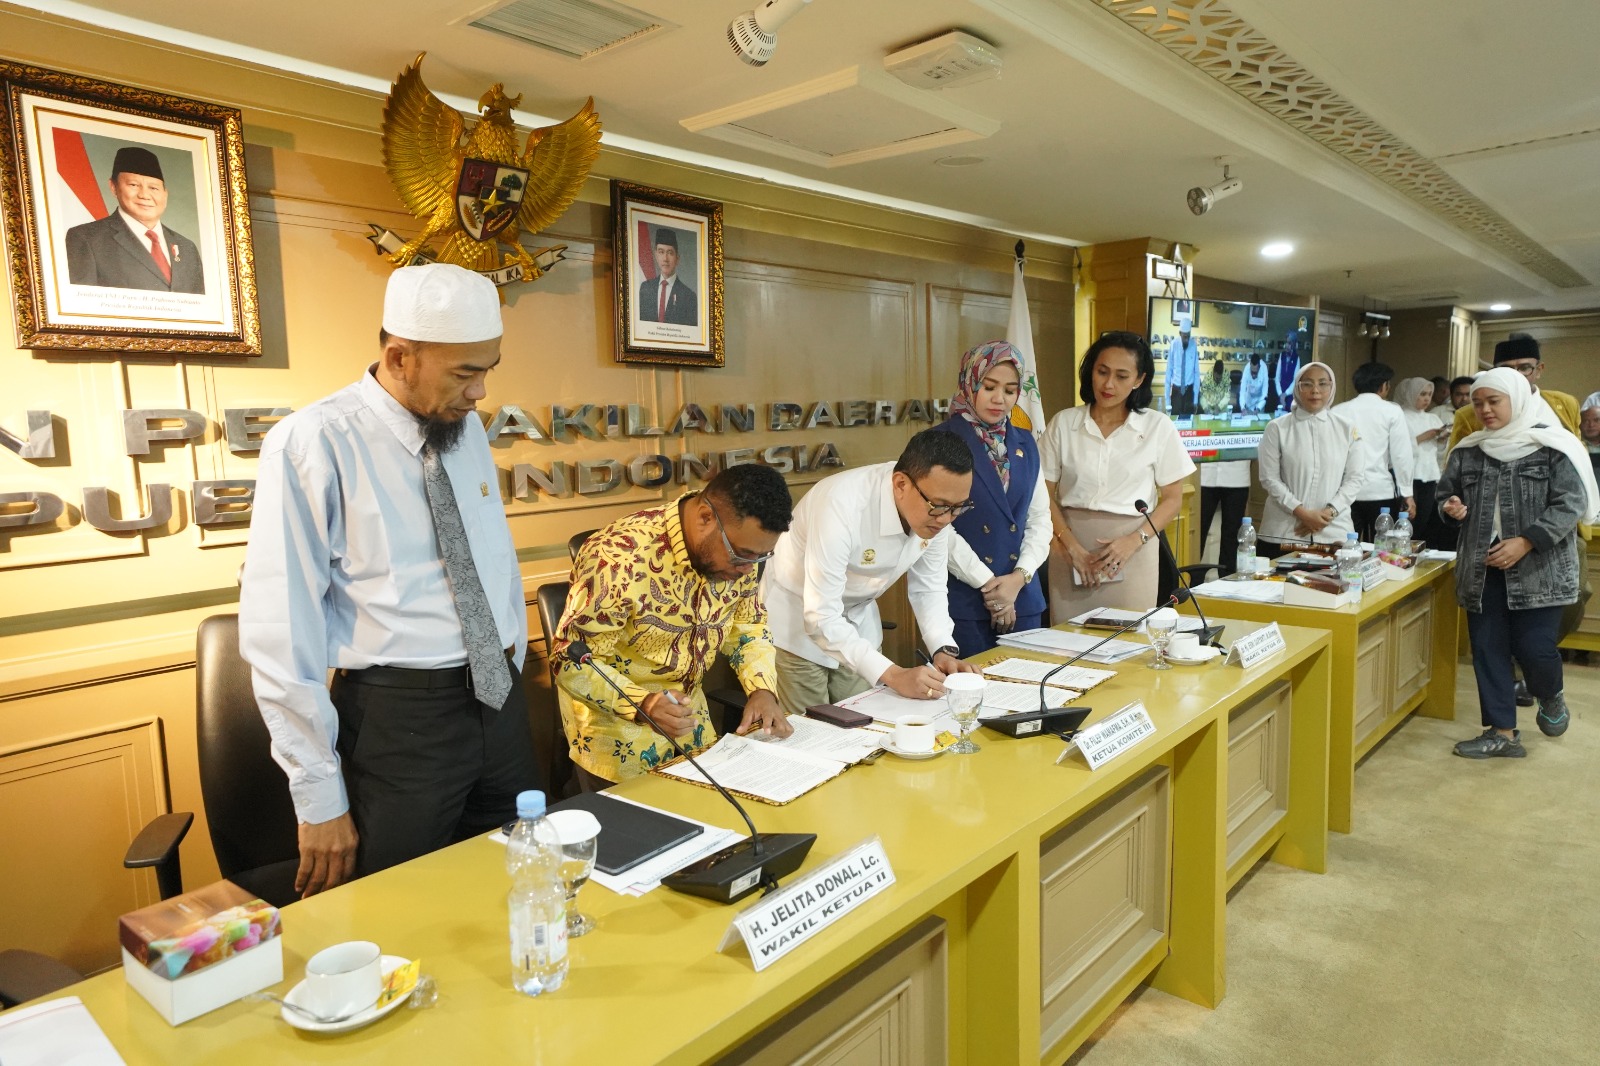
<point x="1372" y="573"/>
<point x="1106" y="739"/>
<point x="1252" y="648"/>
<point x="789" y="917"/>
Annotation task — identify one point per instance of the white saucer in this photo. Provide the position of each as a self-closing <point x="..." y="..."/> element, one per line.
<point x="888" y="746"/>
<point x="1207" y="653"/>
<point x="389" y="963"/>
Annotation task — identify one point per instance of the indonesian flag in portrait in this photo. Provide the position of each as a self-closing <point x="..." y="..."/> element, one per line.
<point x="87" y="201"/>
<point x="645" y="248"/>
<point x="1029" y="412"/>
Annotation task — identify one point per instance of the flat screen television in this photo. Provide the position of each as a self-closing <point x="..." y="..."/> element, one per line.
<point x="1258" y="346"/>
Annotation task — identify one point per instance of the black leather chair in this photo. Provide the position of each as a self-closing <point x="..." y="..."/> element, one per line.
<point x="549" y="737"/>
<point x="254" y="831"/>
<point x="26" y="975"/>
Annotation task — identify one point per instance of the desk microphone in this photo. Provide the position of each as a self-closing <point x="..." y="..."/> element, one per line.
<point x="1177" y="597"/>
<point x="739" y="869"/>
<point x="1208" y="635"/>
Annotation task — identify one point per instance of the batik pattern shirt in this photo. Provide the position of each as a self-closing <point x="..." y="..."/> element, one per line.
<point x="652" y="623"/>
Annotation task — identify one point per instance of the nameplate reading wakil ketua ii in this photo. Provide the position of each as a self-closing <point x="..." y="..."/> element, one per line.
<point x="789" y="917"/>
<point x="1105" y="740"/>
<point x="1254" y="647"/>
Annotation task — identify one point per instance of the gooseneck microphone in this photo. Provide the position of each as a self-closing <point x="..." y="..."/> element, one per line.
<point x="738" y="869"/>
<point x="1176" y="598"/>
<point x="1209" y="636"/>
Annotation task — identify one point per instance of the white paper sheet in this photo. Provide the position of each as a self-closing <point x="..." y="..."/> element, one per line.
<point x="54" y="1032"/>
<point x="831" y="741"/>
<point x="1061" y="642"/>
<point x="1245" y="591"/>
<point x="742" y="765"/>
<point x="884" y="704"/>
<point x="1079" y="678"/>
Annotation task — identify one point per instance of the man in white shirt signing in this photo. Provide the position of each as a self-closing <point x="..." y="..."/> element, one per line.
<point x="1388" y="453"/>
<point x="852" y="537"/>
<point x="379" y="549"/>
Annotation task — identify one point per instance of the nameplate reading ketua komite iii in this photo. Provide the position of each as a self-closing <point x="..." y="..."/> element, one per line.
<point x="1105" y="740"/>
<point x="789" y="917"/>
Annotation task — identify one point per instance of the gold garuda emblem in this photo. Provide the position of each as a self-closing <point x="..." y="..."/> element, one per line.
<point x="476" y="193"/>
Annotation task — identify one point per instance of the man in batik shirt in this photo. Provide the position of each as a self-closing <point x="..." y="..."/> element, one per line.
<point x="655" y="596"/>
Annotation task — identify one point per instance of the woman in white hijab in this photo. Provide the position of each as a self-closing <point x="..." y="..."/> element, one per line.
<point x="1517" y="489"/>
<point x="1414" y="396"/>
<point x="1310" y="466"/>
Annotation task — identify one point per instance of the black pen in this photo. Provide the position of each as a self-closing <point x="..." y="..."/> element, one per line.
<point x="924" y="658"/>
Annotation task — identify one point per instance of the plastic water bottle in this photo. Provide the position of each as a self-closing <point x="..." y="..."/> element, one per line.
<point x="1348" y="559"/>
<point x="1381" y="530"/>
<point x="1400" y="536"/>
<point x="1245" y="561"/>
<point x="538" y="901"/>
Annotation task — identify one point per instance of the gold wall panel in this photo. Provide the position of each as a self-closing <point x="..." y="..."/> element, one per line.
<point x="72" y="807"/>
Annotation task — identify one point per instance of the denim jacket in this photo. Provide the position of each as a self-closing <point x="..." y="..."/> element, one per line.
<point x="1540" y="497"/>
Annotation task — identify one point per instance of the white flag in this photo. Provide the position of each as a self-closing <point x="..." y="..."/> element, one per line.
<point x="1029" y="412"/>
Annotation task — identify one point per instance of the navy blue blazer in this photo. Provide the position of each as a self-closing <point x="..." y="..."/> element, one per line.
<point x="994" y="528"/>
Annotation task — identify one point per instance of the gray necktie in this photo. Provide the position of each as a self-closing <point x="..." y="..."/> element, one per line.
<point x="486" y="657"/>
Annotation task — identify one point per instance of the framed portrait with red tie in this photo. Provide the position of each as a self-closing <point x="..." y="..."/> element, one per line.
<point x="126" y="218"/>
<point x="668" y="255"/>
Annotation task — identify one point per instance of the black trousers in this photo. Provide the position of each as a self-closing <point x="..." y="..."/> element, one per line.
<point x="1364" y="514"/>
<point x="1182" y="400"/>
<point x="1233" y="502"/>
<point x="427" y="767"/>
<point x="1500" y="635"/>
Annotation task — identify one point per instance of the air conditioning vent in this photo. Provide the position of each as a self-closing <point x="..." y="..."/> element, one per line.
<point x="580" y="29"/>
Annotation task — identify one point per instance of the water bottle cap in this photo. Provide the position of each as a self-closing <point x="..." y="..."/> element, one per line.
<point x="1353" y="536"/>
<point x="1247" y="520"/>
<point x="530" y="804"/>
<point x="1383" y="510"/>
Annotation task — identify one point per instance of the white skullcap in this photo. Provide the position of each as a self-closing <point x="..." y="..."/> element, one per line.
<point x="1184" y="318"/>
<point x="443" y="303"/>
<point x="1591" y="400"/>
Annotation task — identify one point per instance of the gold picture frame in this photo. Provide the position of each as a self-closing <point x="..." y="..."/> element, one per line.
<point x="85" y="166"/>
<point x="657" y="233"/>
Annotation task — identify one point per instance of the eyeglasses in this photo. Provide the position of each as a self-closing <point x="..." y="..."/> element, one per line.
<point x="939" y="510"/>
<point x="733" y="556"/>
<point x="1525" y="368"/>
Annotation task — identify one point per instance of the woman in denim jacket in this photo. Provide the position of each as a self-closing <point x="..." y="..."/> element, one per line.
<point x="1518" y="491"/>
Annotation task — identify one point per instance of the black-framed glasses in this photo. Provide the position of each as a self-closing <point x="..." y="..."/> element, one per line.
<point x="939" y="510"/>
<point x="1526" y="369"/>
<point x="733" y="556"/>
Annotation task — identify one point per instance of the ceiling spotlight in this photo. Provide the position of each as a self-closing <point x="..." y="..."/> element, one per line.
<point x="1201" y="199"/>
<point x="1277" y="249"/>
<point x="1499" y="307"/>
<point x="754" y="34"/>
<point x="1385" y="333"/>
<point x="1362" y="332"/>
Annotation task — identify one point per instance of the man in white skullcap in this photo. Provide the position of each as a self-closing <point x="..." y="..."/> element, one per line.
<point x="379" y="550"/>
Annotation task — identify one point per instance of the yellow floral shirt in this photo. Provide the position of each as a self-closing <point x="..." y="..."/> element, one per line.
<point x="652" y="623"/>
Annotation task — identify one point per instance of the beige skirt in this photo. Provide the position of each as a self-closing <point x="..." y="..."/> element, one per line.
<point x="1140" y="574"/>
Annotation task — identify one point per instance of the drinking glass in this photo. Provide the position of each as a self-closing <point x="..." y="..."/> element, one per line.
<point x="577" y="864"/>
<point x="964" y="706"/>
<point x="1161" y="631"/>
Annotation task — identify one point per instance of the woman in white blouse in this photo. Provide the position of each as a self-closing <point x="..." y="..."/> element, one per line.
<point x="1415" y="396"/>
<point x="1310" y="465"/>
<point x="1098" y="460"/>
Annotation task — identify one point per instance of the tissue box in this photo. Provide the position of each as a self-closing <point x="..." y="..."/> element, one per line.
<point x="200" y="950"/>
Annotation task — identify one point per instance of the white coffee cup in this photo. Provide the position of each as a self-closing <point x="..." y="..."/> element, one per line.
<point x="914" y="734"/>
<point x="343" y="979"/>
<point x="1184" y="646"/>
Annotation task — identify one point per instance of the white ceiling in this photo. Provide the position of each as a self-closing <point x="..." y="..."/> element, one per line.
<point x="1102" y="130"/>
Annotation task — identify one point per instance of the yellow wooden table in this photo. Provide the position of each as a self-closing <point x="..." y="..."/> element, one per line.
<point x="965" y="835"/>
<point x="1393" y="654"/>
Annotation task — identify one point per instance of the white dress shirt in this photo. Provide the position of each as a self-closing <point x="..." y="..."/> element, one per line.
<point x="1313" y="461"/>
<point x="1387" y="445"/>
<point x="1095" y="473"/>
<point x="1425" y="455"/>
<point x="139" y="229"/>
<point x="1253" y="388"/>
<point x="343" y="570"/>
<point x="969" y="569"/>
<point x="1233" y="474"/>
<point x="1183" y="362"/>
<point x="843" y="550"/>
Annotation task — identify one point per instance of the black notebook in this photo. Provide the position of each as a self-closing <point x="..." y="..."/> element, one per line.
<point x="629" y="834"/>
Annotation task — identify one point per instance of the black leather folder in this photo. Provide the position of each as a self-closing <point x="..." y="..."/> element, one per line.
<point x="629" y="834"/>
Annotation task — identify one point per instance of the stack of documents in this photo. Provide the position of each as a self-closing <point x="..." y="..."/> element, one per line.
<point x="1060" y="642"/>
<point x="1079" y="678"/>
<point x="54" y="1032"/>
<point x="777" y="771"/>
<point x="1000" y="698"/>
<point x="638" y="880"/>
<point x="1247" y="591"/>
<point x="1116" y="617"/>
